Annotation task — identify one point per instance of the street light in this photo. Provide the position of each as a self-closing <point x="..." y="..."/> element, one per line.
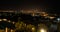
<point x="58" y="19"/>
<point x="43" y="30"/>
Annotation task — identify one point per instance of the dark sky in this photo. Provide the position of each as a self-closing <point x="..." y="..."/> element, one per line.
<point x="25" y="4"/>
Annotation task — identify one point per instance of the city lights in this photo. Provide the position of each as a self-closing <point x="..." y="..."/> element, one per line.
<point x="29" y="16"/>
<point x="45" y="15"/>
<point x="32" y="23"/>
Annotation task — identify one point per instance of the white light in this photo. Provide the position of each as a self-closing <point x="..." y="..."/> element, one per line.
<point x="58" y="19"/>
<point x="43" y="30"/>
<point x="4" y="19"/>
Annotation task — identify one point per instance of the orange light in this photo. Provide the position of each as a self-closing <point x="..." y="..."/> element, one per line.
<point x="6" y="29"/>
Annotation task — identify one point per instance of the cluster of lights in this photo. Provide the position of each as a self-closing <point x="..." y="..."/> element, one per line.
<point x="3" y="19"/>
<point x="6" y="20"/>
<point x="43" y="14"/>
<point x="8" y="11"/>
<point x="42" y="27"/>
<point x="46" y="15"/>
<point x="6" y="30"/>
<point x="21" y="25"/>
<point x="51" y="17"/>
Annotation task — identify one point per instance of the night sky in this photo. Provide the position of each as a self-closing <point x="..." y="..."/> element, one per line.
<point x="50" y="5"/>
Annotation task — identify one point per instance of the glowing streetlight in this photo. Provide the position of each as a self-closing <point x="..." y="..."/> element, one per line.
<point x="42" y="30"/>
<point x="58" y="19"/>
